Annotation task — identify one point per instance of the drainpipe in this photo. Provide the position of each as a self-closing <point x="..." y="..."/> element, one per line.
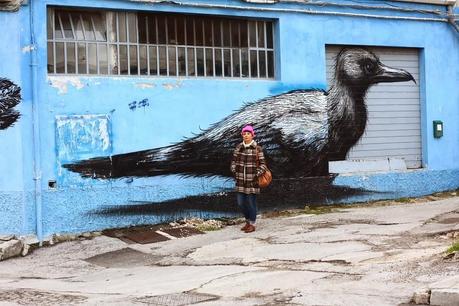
<point x="35" y="128"/>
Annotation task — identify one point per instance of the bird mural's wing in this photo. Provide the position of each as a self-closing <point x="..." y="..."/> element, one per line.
<point x="10" y="96"/>
<point x="296" y="132"/>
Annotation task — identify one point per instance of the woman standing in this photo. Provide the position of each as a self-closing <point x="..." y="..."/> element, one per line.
<point x="247" y="164"/>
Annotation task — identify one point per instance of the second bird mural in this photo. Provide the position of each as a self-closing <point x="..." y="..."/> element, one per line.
<point x="10" y="97"/>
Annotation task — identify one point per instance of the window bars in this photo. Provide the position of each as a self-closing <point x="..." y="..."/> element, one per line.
<point x="157" y="44"/>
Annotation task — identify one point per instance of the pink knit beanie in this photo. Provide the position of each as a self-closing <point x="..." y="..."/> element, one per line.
<point x="248" y="128"/>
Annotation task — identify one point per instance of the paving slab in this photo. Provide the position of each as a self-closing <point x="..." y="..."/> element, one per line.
<point x="444" y="297"/>
<point x="247" y="250"/>
<point x="134" y="281"/>
<point x="261" y="283"/>
<point x="445" y="292"/>
<point x="123" y="258"/>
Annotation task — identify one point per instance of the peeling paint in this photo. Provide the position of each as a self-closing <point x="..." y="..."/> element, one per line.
<point x="170" y="86"/>
<point x="145" y="85"/>
<point x="62" y="82"/>
<point x="81" y="136"/>
<point x="28" y="48"/>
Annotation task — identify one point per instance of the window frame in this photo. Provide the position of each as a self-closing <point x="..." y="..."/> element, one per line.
<point x="223" y="58"/>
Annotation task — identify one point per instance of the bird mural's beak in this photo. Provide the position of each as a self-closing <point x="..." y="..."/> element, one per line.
<point x="388" y="74"/>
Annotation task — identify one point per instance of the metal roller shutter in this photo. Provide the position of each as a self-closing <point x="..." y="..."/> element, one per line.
<point x="394" y="117"/>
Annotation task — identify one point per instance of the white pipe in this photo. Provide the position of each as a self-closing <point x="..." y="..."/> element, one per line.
<point x="287" y="10"/>
<point x="35" y="129"/>
<point x="362" y="6"/>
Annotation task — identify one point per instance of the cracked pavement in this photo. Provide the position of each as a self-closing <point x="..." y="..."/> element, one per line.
<point x="357" y="256"/>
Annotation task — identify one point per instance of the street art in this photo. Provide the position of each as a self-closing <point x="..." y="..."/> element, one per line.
<point x="134" y="104"/>
<point x="10" y="96"/>
<point x="300" y="130"/>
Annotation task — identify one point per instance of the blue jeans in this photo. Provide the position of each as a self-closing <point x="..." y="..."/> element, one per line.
<point x="248" y="206"/>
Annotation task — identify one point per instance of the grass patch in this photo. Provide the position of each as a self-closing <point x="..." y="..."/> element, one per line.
<point x="208" y="227"/>
<point x="447" y="194"/>
<point x="318" y="210"/>
<point x="453" y="248"/>
<point x="403" y="200"/>
<point x="282" y="213"/>
<point x="307" y="210"/>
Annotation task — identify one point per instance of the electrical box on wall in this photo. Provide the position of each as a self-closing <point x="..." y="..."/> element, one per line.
<point x="437" y="128"/>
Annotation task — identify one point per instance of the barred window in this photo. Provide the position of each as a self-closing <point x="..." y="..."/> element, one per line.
<point x="158" y="44"/>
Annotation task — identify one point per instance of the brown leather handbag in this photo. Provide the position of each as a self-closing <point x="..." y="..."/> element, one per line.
<point x="266" y="177"/>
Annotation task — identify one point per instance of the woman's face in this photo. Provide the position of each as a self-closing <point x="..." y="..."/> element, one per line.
<point x="247" y="137"/>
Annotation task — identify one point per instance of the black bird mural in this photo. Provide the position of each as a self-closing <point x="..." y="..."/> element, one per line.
<point x="297" y="129"/>
<point x="10" y="96"/>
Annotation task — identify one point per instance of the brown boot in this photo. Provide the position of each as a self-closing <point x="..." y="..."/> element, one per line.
<point x="250" y="229"/>
<point x="245" y="226"/>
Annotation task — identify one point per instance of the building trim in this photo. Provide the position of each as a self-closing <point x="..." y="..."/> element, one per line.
<point x="435" y="2"/>
<point x="301" y="11"/>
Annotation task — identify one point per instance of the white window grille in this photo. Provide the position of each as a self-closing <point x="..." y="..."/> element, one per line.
<point x="158" y="44"/>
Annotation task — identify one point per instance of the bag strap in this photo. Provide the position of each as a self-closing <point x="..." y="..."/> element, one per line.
<point x="258" y="159"/>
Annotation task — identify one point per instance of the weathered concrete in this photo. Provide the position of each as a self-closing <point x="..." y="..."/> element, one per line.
<point x="445" y="297"/>
<point x="6" y="237"/>
<point x="445" y="292"/>
<point x="10" y="249"/>
<point x="358" y="256"/>
<point x="422" y="297"/>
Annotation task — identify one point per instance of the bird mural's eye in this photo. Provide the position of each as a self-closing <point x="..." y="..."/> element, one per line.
<point x="368" y="67"/>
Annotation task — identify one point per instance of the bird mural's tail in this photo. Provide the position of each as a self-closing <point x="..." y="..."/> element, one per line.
<point x="186" y="158"/>
<point x="10" y="96"/>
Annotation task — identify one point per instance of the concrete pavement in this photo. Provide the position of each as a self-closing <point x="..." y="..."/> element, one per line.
<point x="355" y="256"/>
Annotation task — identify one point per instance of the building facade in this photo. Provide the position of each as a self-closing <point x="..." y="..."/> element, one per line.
<point x="116" y="113"/>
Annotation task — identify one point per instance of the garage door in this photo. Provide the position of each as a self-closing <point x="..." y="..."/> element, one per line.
<point x="394" y="120"/>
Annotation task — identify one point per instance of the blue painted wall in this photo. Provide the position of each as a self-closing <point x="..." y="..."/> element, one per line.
<point x="179" y="107"/>
<point x="17" y="209"/>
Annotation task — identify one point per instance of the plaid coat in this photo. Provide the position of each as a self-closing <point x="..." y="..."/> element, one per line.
<point x="245" y="169"/>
